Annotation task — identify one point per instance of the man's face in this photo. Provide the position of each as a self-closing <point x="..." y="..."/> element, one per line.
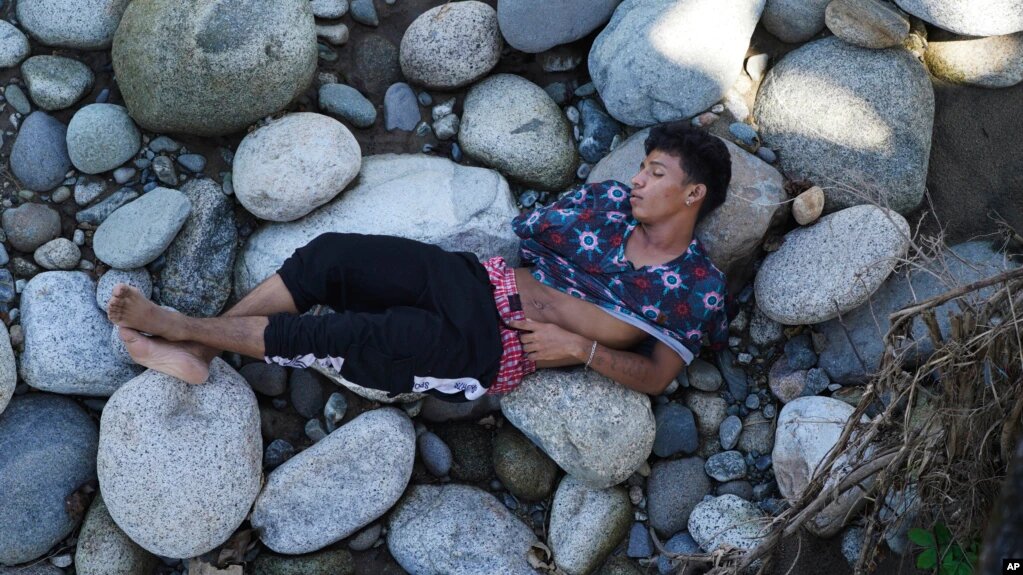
<point x="661" y="188"/>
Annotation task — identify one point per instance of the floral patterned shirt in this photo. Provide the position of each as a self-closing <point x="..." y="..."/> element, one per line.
<point x="577" y="246"/>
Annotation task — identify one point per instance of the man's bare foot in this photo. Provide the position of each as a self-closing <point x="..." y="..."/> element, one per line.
<point x="129" y="308"/>
<point x="173" y="359"/>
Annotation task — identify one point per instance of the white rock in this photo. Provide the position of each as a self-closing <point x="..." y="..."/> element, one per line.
<point x="512" y="125"/>
<point x="646" y="75"/>
<point x="329" y="8"/>
<point x="13" y="45"/>
<point x="427" y="199"/>
<point x="288" y="168"/>
<point x="994" y="62"/>
<point x="451" y="45"/>
<point x="138" y="278"/>
<point x="58" y="254"/>
<point x="457" y="530"/>
<point x="179" y="465"/>
<point x="535" y="26"/>
<point x="138" y="232"/>
<point x="78" y="24"/>
<point x="794" y="20"/>
<point x="338" y="486"/>
<point x="727" y="520"/>
<point x="973" y="18"/>
<point x="831" y="267"/>
<point x="593" y="428"/>
<point x="8" y="369"/>
<point x="56" y="82"/>
<point x="808" y="429"/>
<point x="587" y="524"/>
<point x="66" y="338"/>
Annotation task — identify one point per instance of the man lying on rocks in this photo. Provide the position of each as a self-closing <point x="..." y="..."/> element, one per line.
<point x="610" y="268"/>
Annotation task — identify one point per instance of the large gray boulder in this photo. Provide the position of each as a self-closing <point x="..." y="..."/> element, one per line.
<point x="190" y="66"/>
<point x="973" y="18"/>
<point x="794" y="20"/>
<point x="47" y="451"/>
<point x="8" y="369"/>
<point x="855" y="121"/>
<point x="179" y="465"/>
<point x="645" y="75"/>
<point x="513" y="125"/>
<point x="451" y="45"/>
<point x="733" y="233"/>
<point x="537" y="25"/>
<point x="427" y="199"/>
<point x="196" y="279"/>
<point x="808" y="430"/>
<point x="993" y="62"/>
<point x="831" y="268"/>
<point x="587" y="524"/>
<point x="339" y="485"/>
<point x="138" y="232"/>
<point x="862" y="336"/>
<point x="66" y="338"/>
<point x="103" y="549"/>
<point x="593" y="428"/>
<point x="77" y="24"/>
<point x="457" y="530"/>
<point x="294" y="165"/>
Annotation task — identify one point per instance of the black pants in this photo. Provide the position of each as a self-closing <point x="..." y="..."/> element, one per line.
<point x="407" y="315"/>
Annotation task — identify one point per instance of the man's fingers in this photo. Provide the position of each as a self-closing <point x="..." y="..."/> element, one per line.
<point x="524" y="324"/>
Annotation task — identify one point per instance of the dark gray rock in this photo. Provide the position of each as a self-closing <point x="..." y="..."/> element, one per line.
<point x="364" y="12"/>
<point x="30" y="225"/>
<point x="401" y="108"/>
<point x="376" y="65"/>
<point x="197" y="275"/>
<point x="346" y="103"/>
<point x="729" y="431"/>
<point x="523" y="467"/>
<point x="194" y="163"/>
<point x="471" y="451"/>
<point x="726" y="466"/>
<point x="436" y="454"/>
<point x="98" y="213"/>
<point x="438" y="410"/>
<point x="308" y="392"/>
<point x="682" y="544"/>
<point x="799" y="352"/>
<point x="674" y="488"/>
<point x="190" y="66"/>
<point x="39" y="158"/>
<point x="267" y="379"/>
<point x="639" y="546"/>
<point x="735" y="377"/>
<point x="47" y="451"/>
<point x="277" y="453"/>
<point x="703" y="375"/>
<point x="599" y="130"/>
<point x="676" y="430"/>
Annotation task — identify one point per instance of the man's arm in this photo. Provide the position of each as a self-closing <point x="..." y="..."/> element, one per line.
<point x="550" y="345"/>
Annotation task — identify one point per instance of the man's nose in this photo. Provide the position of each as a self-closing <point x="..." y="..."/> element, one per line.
<point x="637" y="180"/>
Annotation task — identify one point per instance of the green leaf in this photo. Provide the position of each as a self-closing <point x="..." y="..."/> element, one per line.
<point x="927" y="559"/>
<point x="922" y="537"/>
<point x="963" y="569"/>
<point x="943" y="534"/>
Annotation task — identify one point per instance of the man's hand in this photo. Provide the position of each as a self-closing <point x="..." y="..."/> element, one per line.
<point x="548" y="342"/>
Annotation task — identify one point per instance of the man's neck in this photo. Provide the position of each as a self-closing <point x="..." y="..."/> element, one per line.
<point x="672" y="238"/>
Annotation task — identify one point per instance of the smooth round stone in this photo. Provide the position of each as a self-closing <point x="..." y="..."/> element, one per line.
<point x="587" y="524"/>
<point x="286" y="169"/>
<point x="58" y="254"/>
<point x="30" y="225"/>
<point x="811" y="106"/>
<point x="56" y="82"/>
<point x="452" y="45"/>
<point x="170" y="452"/>
<point x="794" y="21"/>
<point x="727" y="520"/>
<point x="277" y="453"/>
<point x="39" y="158"/>
<point x="676" y="430"/>
<point x="101" y="137"/>
<point x="799" y="352"/>
<point x="329" y="9"/>
<point x="993" y="62"/>
<point x="808" y="206"/>
<point x="267" y="379"/>
<point x="137" y="278"/>
<point x="401" y="108"/>
<point x="194" y="163"/>
<point x="103" y="548"/>
<point x="457" y="530"/>
<point x="867" y="23"/>
<point x="522" y="467"/>
<point x="333" y="561"/>
<point x="471" y="450"/>
<point x="534" y="26"/>
<point x="47" y="451"/>
<point x="639" y="546"/>
<point x="336" y="34"/>
<point x="974" y="18"/>
<point x="303" y="509"/>
<point x="729" y="431"/>
<point x="436" y="454"/>
<point x="511" y="124"/>
<point x="645" y="76"/>
<point x="309" y="392"/>
<point x="726" y="466"/>
<point x="833" y="267"/>
<point x="8" y="369"/>
<point x="682" y="544"/>
<point x="137" y="233"/>
<point x="346" y="103"/>
<point x="757" y="433"/>
<point x="709" y="410"/>
<point x="13" y="45"/>
<point x="673" y="490"/>
<point x="364" y="12"/>
<point x="77" y="24"/>
<point x="704" y="376"/>
<point x="786" y="383"/>
<point x="16" y="97"/>
<point x="366" y="538"/>
<point x="335" y="409"/>
<point x="190" y="66"/>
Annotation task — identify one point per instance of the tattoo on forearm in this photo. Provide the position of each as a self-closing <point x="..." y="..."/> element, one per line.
<point x="629" y="364"/>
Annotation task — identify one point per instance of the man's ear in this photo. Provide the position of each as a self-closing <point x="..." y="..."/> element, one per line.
<point x="697" y="193"/>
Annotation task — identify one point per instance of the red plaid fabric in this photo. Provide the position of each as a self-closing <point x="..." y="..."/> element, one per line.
<point x="514" y="363"/>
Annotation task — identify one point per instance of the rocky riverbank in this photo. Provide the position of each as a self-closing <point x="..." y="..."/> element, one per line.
<point x="188" y="147"/>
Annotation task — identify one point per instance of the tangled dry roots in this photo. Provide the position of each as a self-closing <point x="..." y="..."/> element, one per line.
<point x="945" y="433"/>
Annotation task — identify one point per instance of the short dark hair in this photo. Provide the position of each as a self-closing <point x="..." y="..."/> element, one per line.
<point x="703" y="157"/>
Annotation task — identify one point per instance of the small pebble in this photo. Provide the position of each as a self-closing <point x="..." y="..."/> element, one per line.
<point x="726" y="466"/>
<point x="60" y="195"/>
<point x="366" y="538"/>
<point x="314" y="430"/>
<point x="336" y="34"/>
<point x="572" y="113"/>
<point x="446" y="127"/>
<point x="753" y="401"/>
<point x="587" y="89"/>
<point x="728" y="432"/>
<point x="424" y="99"/>
<point x="436" y="454"/>
<point x="364" y="12"/>
<point x="277" y="453"/>
<point x="164" y="169"/>
<point x="640" y="545"/>
<point x="103" y="96"/>
<point x="528" y="198"/>
<point x="456" y="152"/>
<point x="17" y="98"/>
<point x="4" y="258"/>
<point x="584" y="171"/>
<point x="718" y="108"/>
<point x="635" y="494"/>
<point x="163" y="144"/>
<point x="443" y="109"/>
<point x="769" y="411"/>
<point x="194" y="163"/>
<point x="767" y="155"/>
<point x="334" y="410"/>
<point x="61" y="561"/>
<point x="124" y="175"/>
